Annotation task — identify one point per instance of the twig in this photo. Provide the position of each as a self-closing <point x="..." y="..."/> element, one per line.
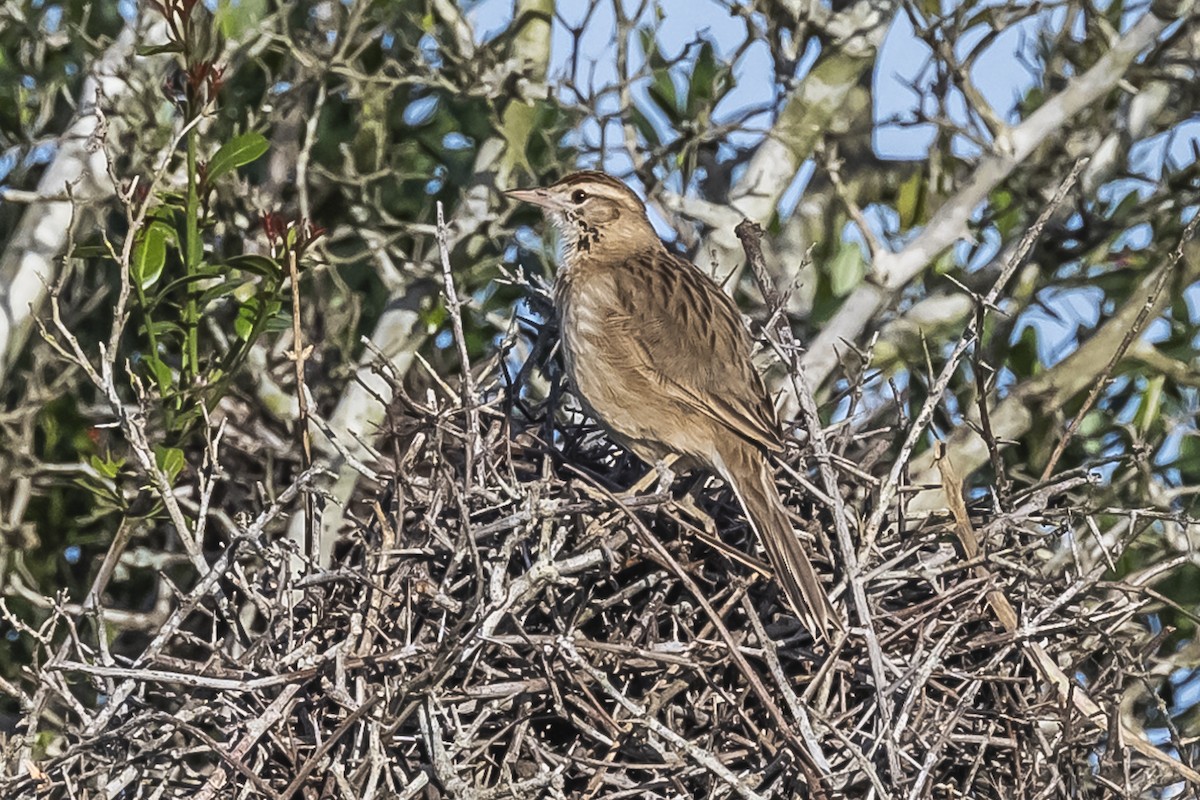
<point x="887" y="491"/>
<point x="202" y="589"/>
<point x="1068" y="690"/>
<point x="299" y="356"/>
<point x="701" y="757"/>
<point x="952" y="219"/>
<point x="1000" y="475"/>
<point x="1133" y="333"/>
<point x="750" y="234"/>
<point x="833" y="167"/>
<point x="454" y="307"/>
<point x="664" y="558"/>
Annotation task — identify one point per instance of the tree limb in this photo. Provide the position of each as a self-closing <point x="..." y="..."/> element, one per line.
<point x="892" y="271"/>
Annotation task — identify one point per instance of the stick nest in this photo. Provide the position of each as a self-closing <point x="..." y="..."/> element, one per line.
<point x="506" y="624"/>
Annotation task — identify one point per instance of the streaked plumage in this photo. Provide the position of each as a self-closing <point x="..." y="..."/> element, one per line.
<point x="660" y="356"/>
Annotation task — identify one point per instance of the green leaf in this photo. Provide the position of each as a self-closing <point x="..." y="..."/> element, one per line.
<point x="1188" y="459"/>
<point x="944" y="264"/>
<point x="201" y="274"/>
<point x="846" y="270"/>
<point x="90" y="251"/>
<point x="645" y="127"/>
<point x="161" y="372"/>
<point x="170" y="460"/>
<point x="238" y="16"/>
<point x="908" y="203"/>
<point x="1023" y="357"/>
<point x="160" y="49"/>
<point x="433" y="316"/>
<point x="108" y="467"/>
<point x="1121" y="210"/>
<point x="1091" y="429"/>
<point x="164" y="328"/>
<point x="709" y="81"/>
<point x="987" y="15"/>
<point x="150" y="254"/>
<point x="223" y="288"/>
<point x="256" y="264"/>
<point x="279" y="322"/>
<point x="243" y="326"/>
<point x="649" y="46"/>
<point x="1007" y="214"/>
<point x="702" y="85"/>
<point x="237" y="152"/>
<point x="662" y="92"/>
<point x="1150" y="406"/>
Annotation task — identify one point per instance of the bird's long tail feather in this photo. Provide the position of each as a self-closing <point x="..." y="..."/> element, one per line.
<point x="748" y="472"/>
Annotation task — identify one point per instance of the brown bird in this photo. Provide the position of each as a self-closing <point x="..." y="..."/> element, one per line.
<point x="660" y="356"/>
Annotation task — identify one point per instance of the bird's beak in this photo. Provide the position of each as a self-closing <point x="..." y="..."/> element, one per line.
<point x="537" y="197"/>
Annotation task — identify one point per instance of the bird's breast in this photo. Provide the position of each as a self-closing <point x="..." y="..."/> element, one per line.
<point x="612" y="385"/>
<point x="585" y="310"/>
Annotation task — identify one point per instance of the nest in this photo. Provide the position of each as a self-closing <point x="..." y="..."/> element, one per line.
<point x="507" y="623"/>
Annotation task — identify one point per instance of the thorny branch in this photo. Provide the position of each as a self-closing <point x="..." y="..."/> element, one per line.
<point x="399" y="659"/>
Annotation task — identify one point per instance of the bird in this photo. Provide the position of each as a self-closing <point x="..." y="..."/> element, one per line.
<point x="660" y="356"/>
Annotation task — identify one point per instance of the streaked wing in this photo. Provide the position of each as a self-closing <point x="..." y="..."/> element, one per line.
<point x="690" y="337"/>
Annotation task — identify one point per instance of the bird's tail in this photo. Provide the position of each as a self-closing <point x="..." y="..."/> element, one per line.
<point x="747" y="471"/>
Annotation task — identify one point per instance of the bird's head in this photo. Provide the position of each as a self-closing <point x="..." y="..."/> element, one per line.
<point x="593" y="211"/>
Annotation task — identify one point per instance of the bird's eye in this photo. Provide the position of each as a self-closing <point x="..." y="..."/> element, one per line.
<point x="578" y="196"/>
